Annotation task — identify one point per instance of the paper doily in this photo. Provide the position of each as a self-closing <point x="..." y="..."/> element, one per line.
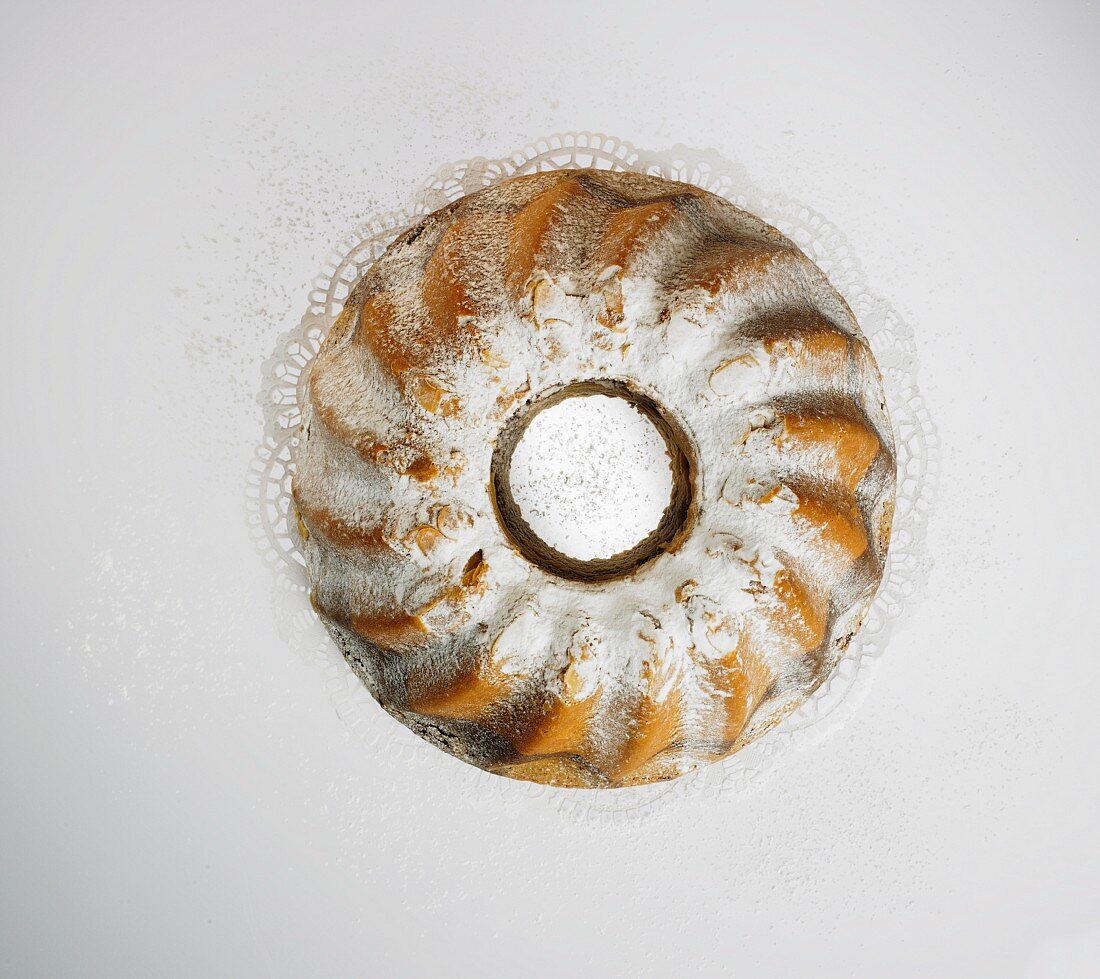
<point x="276" y="537"/>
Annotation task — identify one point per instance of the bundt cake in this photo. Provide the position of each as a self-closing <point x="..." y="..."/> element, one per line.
<point x="627" y="668"/>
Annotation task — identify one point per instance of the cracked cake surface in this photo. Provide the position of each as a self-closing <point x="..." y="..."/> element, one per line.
<point x="647" y="664"/>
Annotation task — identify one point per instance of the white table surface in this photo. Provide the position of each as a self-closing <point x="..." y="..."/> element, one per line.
<point x="179" y="795"/>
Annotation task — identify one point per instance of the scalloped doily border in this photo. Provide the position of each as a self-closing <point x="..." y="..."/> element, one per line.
<point x="275" y="535"/>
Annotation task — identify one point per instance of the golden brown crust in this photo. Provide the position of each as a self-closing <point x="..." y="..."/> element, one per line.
<point x="516" y="294"/>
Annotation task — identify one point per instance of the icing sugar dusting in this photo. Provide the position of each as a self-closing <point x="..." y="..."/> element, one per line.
<point x="514" y="654"/>
<point x="591" y="476"/>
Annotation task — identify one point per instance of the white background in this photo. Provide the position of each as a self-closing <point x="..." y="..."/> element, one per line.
<point x="179" y="796"/>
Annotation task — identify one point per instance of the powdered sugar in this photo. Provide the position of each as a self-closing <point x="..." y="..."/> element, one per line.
<point x="891" y="339"/>
<point x="484" y="352"/>
<point x="591" y="476"/>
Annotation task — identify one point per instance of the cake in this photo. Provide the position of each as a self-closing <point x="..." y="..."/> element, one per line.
<point x="642" y="665"/>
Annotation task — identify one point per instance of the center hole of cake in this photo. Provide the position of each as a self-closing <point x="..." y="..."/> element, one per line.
<point x="591" y="476"/>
